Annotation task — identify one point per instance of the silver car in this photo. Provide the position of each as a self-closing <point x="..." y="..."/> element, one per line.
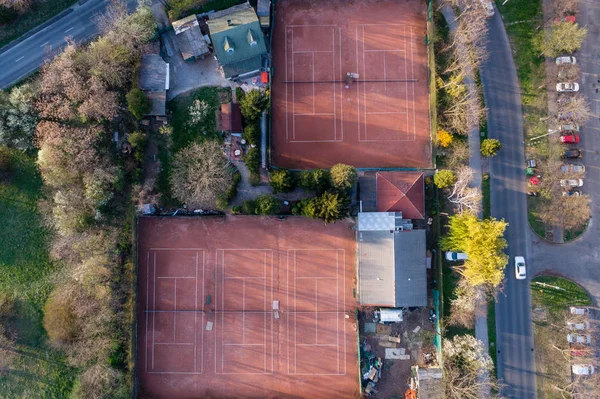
<point x="567" y="87"/>
<point x="566" y="60"/>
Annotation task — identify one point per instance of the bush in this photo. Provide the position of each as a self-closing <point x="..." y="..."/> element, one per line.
<point x="236" y="209"/>
<point x="309" y="207"/>
<point x="5" y="159"/>
<point x="444" y="178"/>
<point x="267" y="205"/>
<point x="252" y="133"/>
<point x="282" y="181"/>
<point x="137" y="140"/>
<point x="249" y="207"/>
<point x="166" y="130"/>
<point x="444" y="138"/>
<point x="490" y="147"/>
<point x="343" y="177"/>
<point x="331" y="206"/>
<point x="316" y="180"/>
<point x="222" y="202"/>
<point x="252" y="159"/>
<point x="252" y="105"/>
<point x="138" y="103"/>
<point x="231" y="192"/>
<point x="60" y="321"/>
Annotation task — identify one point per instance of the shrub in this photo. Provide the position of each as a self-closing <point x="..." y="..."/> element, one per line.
<point x="331" y="206"/>
<point x="309" y="207"/>
<point x="252" y="159"/>
<point x="237" y="178"/>
<point x="166" y="130"/>
<point x="249" y="207"/>
<point x="444" y="178"/>
<point x="282" y="181"/>
<point x="267" y="205"/>
<point x="252" y="104"/>
<point x="316" y="180"/>
<point x="252" y="133"/>
<point x="236" y="209"/>
<point x="137" y="140"/>
<point x="222" y="202"/>
<point x="5" y="159"/>
<point x="444" y="138"/>
<point x="138" y="103"/>
<point x="490" y="147"/>
<point x="60" y="321"/>
<point x="343" y="177"/>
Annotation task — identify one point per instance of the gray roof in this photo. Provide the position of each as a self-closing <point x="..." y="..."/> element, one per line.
<point x="392" y="263"/>
<point x="237" y="39"/>
<point x="189" y="38"/>
<point x="154" y="73"/>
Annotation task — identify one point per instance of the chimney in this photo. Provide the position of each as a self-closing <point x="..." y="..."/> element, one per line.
<point x="229" y="23"/>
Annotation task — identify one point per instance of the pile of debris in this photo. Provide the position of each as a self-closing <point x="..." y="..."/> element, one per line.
<point x="371" y="368"/>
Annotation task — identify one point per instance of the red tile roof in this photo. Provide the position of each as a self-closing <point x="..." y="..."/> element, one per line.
<point x="401" y="192"/>
<point x="231" y="118"/>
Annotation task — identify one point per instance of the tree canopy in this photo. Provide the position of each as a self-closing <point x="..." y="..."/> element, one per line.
<point x="563" y="37"/>
<point x="343" y="177"/>
<point x="282" y="181"/>
<point x="252" y="104"/>
<point x="490" y="147"/>
<point x="444" y="178"/>
<point x="483" y="242"/>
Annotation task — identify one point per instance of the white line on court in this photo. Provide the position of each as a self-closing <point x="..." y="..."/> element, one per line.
<point x="153" y="308"/>
<point x="287" y="134"/>
<point x="412" y="65"/>
<point x="147" y="304"/>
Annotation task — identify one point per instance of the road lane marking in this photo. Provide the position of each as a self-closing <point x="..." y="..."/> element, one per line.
<point x="20" y="59"/>
<point x="69" y="29"/>
<point x="44" y="44"/>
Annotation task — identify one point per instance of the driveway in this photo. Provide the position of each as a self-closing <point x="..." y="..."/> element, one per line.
<point x="580" y="260"/>
<point x="514" y="344"/>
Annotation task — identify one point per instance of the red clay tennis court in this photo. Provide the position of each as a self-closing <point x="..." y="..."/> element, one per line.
<point x="381" y="118"/>
<point x="246" y="307"/>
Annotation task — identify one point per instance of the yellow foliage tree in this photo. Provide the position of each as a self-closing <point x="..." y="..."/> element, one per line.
<point x="483" y="242"/>
<point x="444" y="138"/>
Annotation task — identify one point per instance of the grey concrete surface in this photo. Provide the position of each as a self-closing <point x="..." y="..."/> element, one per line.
<point x="28" y="55"/>
<point x="514" y="344"/>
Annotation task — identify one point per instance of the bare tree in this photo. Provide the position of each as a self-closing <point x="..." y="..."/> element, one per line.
<point x="560" y="8"/>
<point x="463" y="308"/>
<point x="576" y="108"/>
<point x="462" y="195"/>
<point x="200" y="173"/>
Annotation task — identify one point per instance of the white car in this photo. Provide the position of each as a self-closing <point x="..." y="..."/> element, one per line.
<point x="566" y="60"/>
<point x="584" y="325"/>
<point x="572" y="168"/>
<point x="571" y="183"/>
<point x="567" y="87"/>
<point x="583" y="369"/>
<point x="455" y="256"/>
<point x="569" y="127"/>
<point x="577" y="311"/>
<point x="520" y="270"/>
<point x="579" y="339"/>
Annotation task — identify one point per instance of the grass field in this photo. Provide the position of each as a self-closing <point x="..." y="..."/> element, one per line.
<point x="26" y="273"/>
<point x="185" y="133"/>
<point x="550" y="303"/>
<point x="39" y="13"/>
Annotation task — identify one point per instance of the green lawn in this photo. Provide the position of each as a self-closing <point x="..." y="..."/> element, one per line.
<point x="25" y="274"/>
<point x="491" y="323"/>
<point x="184" y="133"/>
<point x="485" y="191"/>
<point x="557" y="292"/>
<point x="40" y="12"/>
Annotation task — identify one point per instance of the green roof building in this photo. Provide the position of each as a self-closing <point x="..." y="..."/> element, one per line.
<point x="238" y="41"/>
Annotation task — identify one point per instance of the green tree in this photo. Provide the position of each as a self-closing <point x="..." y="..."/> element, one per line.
<point x="267" y="205"/>
<point x="249" y="207"/>
<point x="138" y="103"/>
<point x="18" y="117"/>
<point x="490" y="147"/>
<point x="563" y="37"/>
<point x="222" y="202"/>
<point x="331" y="206"/>
<point x="483" y="242"/>
<point x="316" y="180"/>
<point x="252" y="104"/>
<point x="343" y="177"/>
<point x="252" y="133"/>
<point x="282" y="181"/>
<point x="137" y="139"/>
<point x="444" y="178"/>
<point x="309" y="207"/>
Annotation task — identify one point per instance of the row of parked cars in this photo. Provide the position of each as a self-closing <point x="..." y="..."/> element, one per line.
<point x="580" y="339"/>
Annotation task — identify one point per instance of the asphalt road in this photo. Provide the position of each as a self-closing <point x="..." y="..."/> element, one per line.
<point x="514" y="344"/>
<point x="27" y="56"/>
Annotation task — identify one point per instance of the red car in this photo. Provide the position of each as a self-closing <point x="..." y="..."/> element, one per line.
<point x="570" y="139"/>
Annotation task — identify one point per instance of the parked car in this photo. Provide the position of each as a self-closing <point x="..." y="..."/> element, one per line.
<point x="520" y="269"/>
<point x="581" y="325"/>
<point x="567" y="87"/>
<point x="579" y="339"/>
<point x="569" y="18"/>
<point x="455" y="256"/>
<point x="583" y="369"/>
<point x="578" y="311"/>
<point x="571" y="168"/>
<point x="573" y="153"/>
<point x="569" y="127"/>
<point x="570" y="139"/>
<point x="567" y="183"/>
<point x="567" y="59"/>
<point x="571" y="193"/>
<point x="580" y="351"/>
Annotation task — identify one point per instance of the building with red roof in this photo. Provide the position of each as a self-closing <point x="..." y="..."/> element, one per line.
<point x="401" y="192"/>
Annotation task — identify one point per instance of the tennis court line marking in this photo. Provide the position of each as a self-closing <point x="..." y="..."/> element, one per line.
<point x="287" y="133"/>
<point x="147" y="304"/>
<point x="412" y="65"/>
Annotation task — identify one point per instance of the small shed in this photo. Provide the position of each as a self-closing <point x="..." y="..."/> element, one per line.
<point x="154" y="81"/>
<point x="390" y="315"/>
<point x="263" y="11"/>
<point x="189" y="38"/>
<point x="231" y="118"/>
